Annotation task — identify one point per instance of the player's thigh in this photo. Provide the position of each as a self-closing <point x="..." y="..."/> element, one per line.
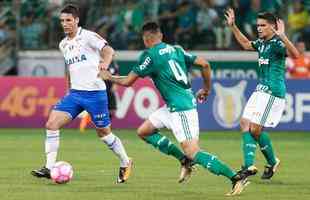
<point x="57" y="119"/>
<point x="146" y="129"/>
<point x="161" y="118"/>
<point x="258" y="109"/>
<point x="63" y="112"/>
<point x="96" y="104"/>
<point x="185" y="125"/>
<point x="69" y="104"/>
<point x="250" y="107"/>
<point x="275" y="112"/>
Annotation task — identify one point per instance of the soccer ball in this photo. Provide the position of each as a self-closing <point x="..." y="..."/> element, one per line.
<point x="62" y="172"/>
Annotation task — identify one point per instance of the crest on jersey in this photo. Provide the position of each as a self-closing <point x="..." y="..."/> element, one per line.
<point x="228" y="104"/>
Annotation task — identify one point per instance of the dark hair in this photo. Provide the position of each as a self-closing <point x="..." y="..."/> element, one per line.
<point x="71" y="9"/>
<point x="153" y="27"/>
<point x="268" y="16"/>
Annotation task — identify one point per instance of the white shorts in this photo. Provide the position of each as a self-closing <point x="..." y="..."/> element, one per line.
<point x="183" y="124"/>
<point x="264" y="109"/>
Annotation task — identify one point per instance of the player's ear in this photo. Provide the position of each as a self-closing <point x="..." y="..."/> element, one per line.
<point x="160" y="36"/>
<point x="77" y="20"/>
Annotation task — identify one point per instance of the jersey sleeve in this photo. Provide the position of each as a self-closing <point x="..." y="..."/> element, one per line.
<point x="96" y="41"/>
<point x="144" y="66"/>
<point x="256" y="44"/>
<point x="189" y="58"/>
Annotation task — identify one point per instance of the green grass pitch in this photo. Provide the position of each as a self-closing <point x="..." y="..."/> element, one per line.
<point x="154" y="176"/>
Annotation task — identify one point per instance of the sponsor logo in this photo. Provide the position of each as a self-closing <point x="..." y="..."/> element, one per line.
<point x="146" y="62"/>
<point x="75" y="59"/>
<point x="262" y="61"/>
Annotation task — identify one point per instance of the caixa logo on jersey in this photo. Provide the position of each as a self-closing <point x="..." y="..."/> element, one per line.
<point x="228" y="104"/>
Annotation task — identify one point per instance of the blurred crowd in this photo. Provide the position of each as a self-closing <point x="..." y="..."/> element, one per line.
<point x="195" y="24"/>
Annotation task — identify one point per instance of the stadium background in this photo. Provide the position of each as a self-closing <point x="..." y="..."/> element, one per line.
<point x="31" y="79"/>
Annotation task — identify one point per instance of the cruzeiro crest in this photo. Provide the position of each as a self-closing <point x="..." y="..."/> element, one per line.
<point x="228" y="104"/>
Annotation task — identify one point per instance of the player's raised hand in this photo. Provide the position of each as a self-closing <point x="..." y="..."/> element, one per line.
<point x="104" y="75"/>
<point x="202" y="95"/>
<point x="280" y="27"/>
<point x="230" y="17"/>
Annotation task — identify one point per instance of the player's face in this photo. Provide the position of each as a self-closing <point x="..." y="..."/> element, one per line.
<point x="69" y="23"/>
<point x="264" y="28"/>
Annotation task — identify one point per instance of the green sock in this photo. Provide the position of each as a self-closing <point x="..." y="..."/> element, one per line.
<point x="213" y="164"/>
<point x="266" y="148"/>
<point x="164" y="145"/>
<point x="249" y="148"/>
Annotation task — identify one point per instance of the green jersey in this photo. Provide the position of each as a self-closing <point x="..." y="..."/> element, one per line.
<point x="271" y="65"/>
<point x="168" y="67"/>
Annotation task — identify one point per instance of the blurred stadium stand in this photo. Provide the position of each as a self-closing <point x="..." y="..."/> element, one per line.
<point x="195" y="24"/>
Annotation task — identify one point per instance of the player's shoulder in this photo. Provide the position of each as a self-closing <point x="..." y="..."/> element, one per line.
<point x="62" y="43"/>
<point x="88" y="33"/>
<point x="277" y="42"/>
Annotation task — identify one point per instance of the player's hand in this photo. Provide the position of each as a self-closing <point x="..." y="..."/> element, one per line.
<point x="230" y="17"/>
<point x="103" y="66"/>
<point x="280" y="28"/>
<point x="202" y="95"/>
<point x="105" y="75"/>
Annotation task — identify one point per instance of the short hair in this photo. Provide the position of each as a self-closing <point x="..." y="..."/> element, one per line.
<point x="268" y="16"/>
<point x="71" y="9"/>
<point x="152" y="27"/>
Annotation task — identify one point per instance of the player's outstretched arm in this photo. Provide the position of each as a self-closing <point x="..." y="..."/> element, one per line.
<point x="120" y="80"/>
<point x="242" y="39"/>
<point x="106" y="54"/>
<point x="280" y="31"/>
<point x="203" y="93"/>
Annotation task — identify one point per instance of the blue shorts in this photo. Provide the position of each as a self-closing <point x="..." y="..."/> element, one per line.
<point x="94" y="102"/>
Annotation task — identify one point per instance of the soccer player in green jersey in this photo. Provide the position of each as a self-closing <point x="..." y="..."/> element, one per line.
<point x="267" y="103"/>
<point x="168" y="67"/>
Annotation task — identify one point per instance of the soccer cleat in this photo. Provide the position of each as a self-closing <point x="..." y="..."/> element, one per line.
<point x="186" y="169"/>
<point x="124" y="172"/>
<point x="270" y="170"/>
<point x="250" y="171"/>
<point x="239" y="182"/>
<point x="42" y="173"/>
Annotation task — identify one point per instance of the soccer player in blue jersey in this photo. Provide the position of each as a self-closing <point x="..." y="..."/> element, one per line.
<point x="85" y="53"/>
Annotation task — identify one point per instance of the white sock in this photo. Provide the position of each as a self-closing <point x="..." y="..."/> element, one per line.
<point x="51" y="147"/>
<point x="115" y="144"/>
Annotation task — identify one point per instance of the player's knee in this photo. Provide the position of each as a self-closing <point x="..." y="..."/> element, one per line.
<point x="102" y="132"/>
<point x="190" y="150"/>
<point x="51" y="125"/>
<point x="141" y="132"/>
<point x="255" y="131"/>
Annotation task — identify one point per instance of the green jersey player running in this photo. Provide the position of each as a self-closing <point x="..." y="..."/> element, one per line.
<point x="168" y="67"/>
<point x="267" y="103"/>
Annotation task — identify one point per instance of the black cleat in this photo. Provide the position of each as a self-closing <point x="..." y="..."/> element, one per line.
<point x="250" y="171"/>
<point x="239" y="182"/>
<point x="270" y="170"/>
<point x="42" y="173"/>
<point x="186" y="169"/>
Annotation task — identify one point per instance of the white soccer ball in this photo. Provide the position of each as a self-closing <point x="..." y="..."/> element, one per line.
<point x="62" y="172"/>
